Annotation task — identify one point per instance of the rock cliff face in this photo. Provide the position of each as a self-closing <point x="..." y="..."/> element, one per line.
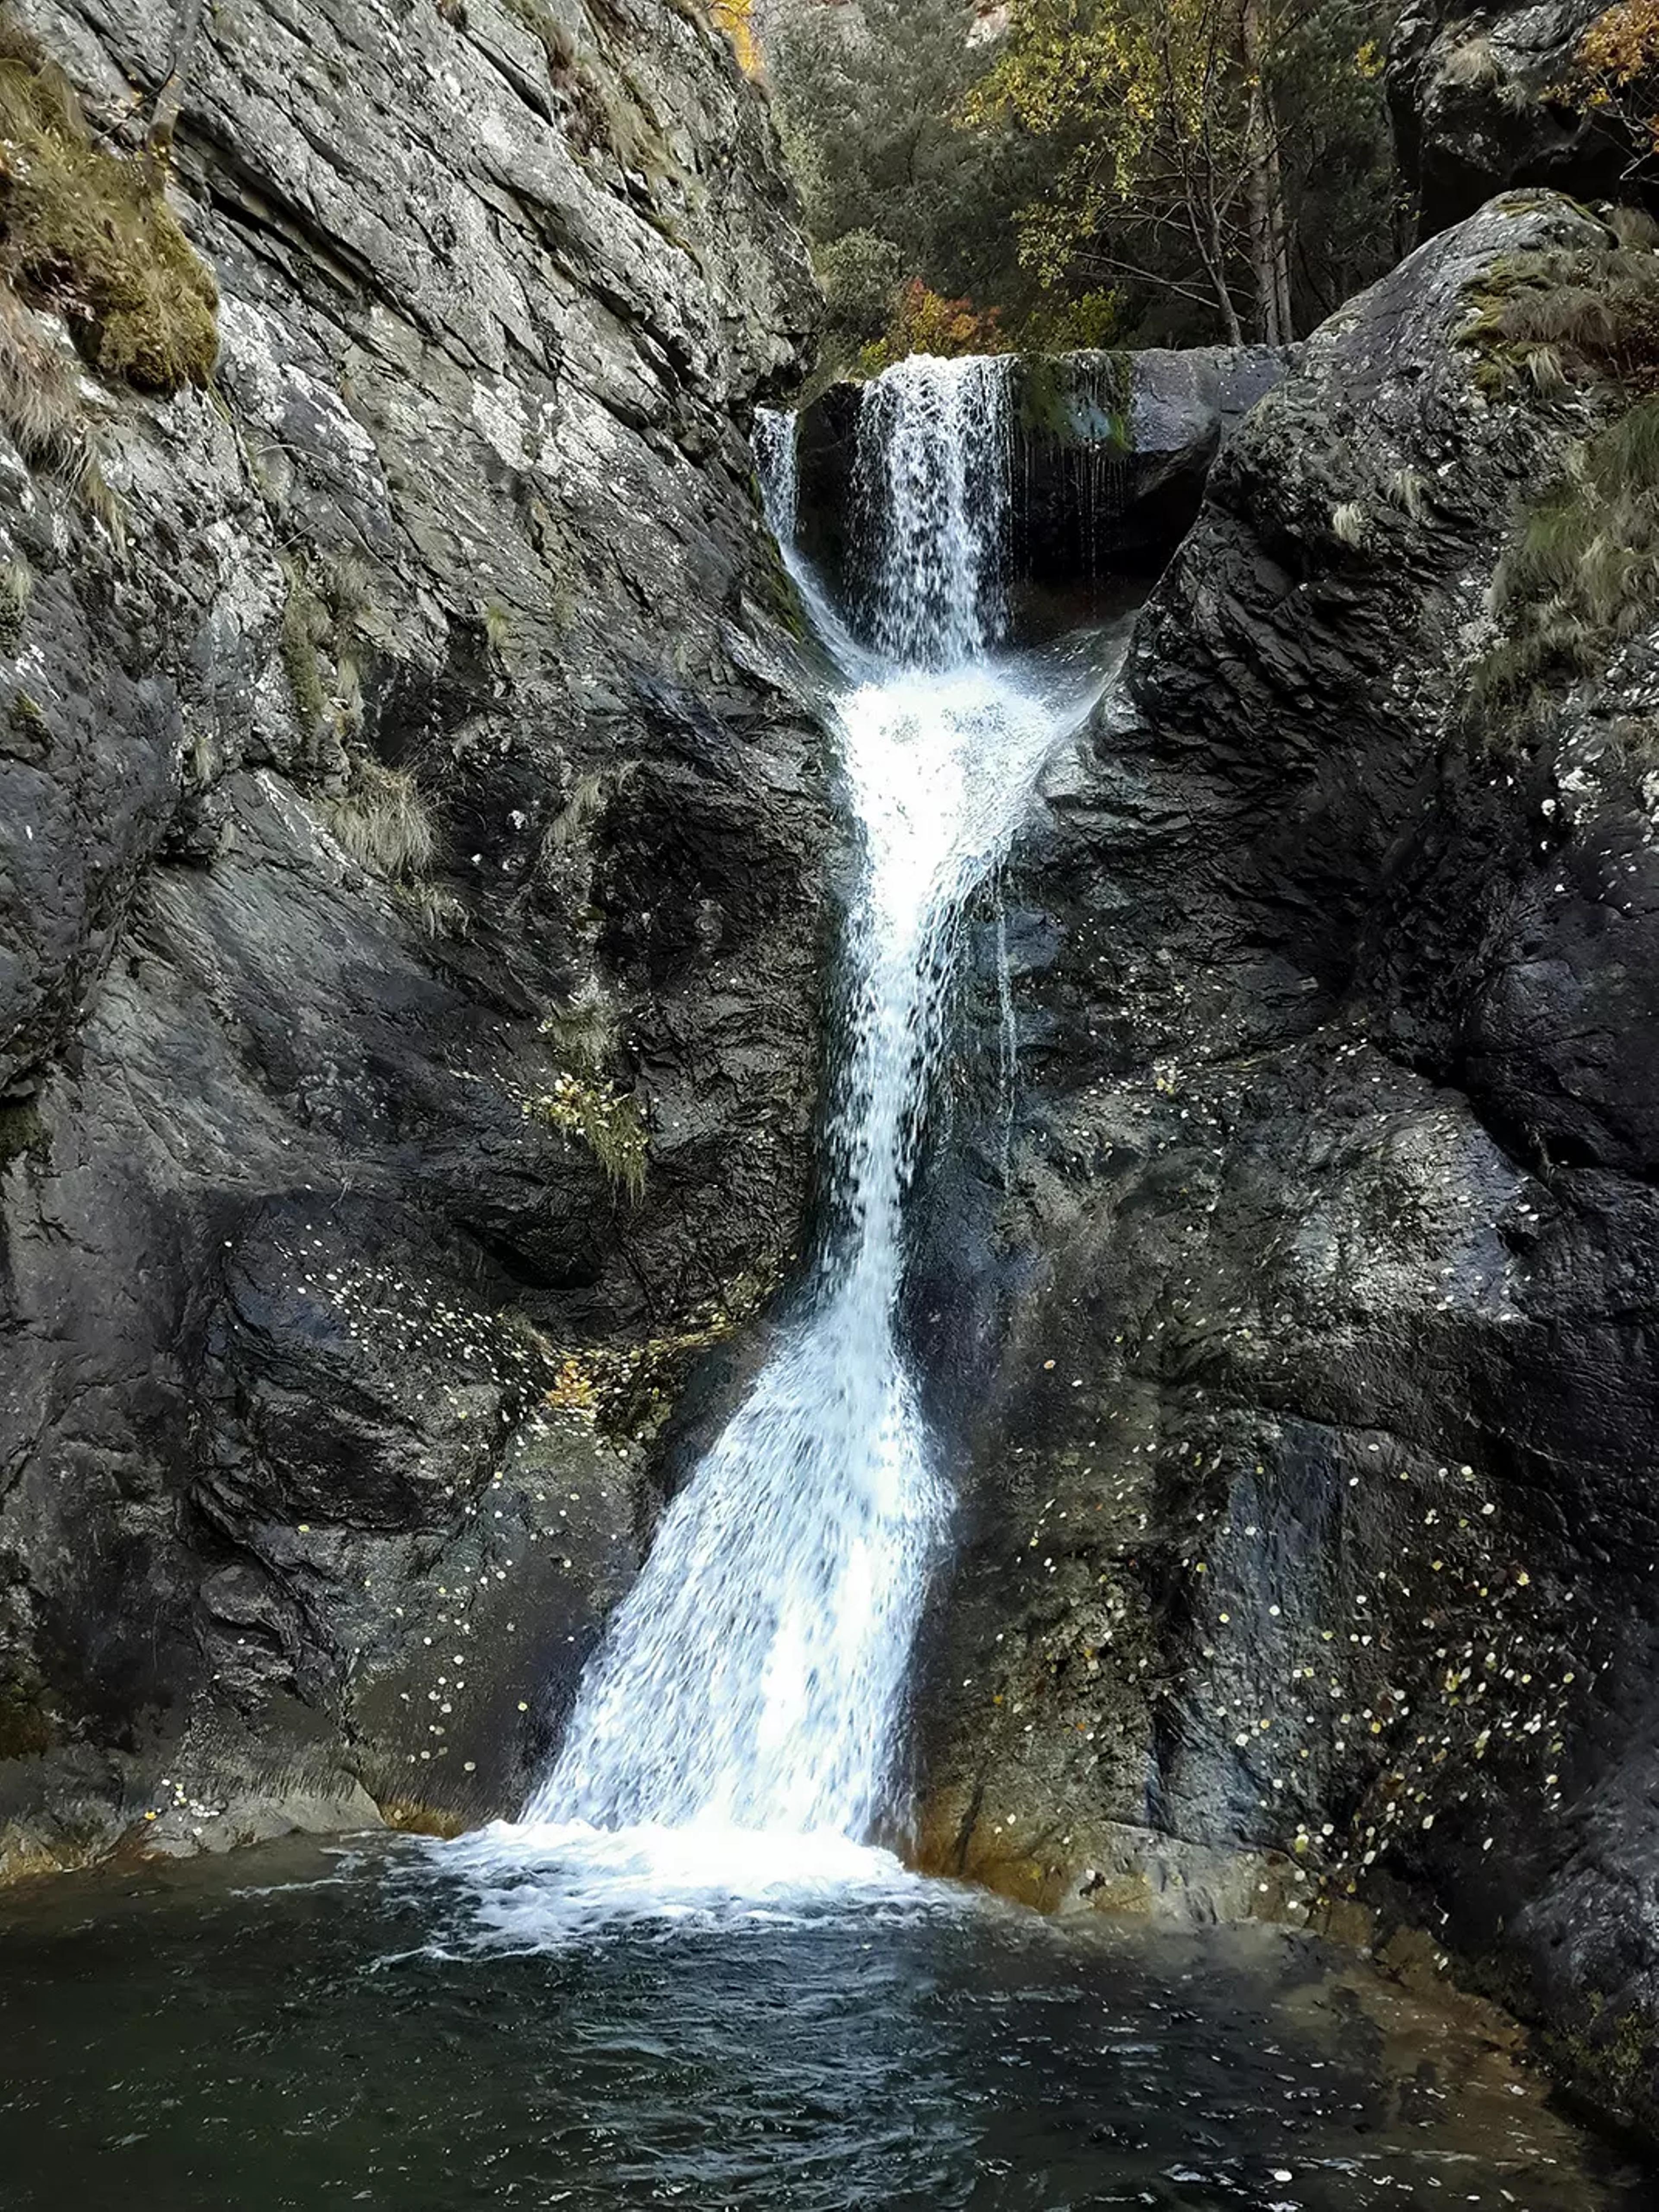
<point x="1309" y="1525"/>
<point x="1481" y="101"/>
<point x="408" y="841"/>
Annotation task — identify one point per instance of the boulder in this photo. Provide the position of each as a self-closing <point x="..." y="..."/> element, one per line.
<point x="1482" y="101"/>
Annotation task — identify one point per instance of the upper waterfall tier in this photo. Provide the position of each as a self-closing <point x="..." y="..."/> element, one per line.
<point x="1109" y="456"/>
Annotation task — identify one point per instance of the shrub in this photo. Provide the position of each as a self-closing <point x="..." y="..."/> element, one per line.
<point x="1091" y="323"/>
<point x="862" y="275"/>
<point x="1616" y="72"/>
<point x="924" y="323"/>
<point x="90" y="235"/>
<point x="735" y="18"/>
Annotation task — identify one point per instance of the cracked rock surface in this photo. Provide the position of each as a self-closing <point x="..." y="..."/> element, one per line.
<point x="1309" y="1514"/>
<point x="331" y="1357"/>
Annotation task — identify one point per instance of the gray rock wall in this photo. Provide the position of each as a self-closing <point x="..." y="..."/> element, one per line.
<point x="1308" y="1515"/>
<point x="331" y="1376"/>
<point x="1475" y="95"/>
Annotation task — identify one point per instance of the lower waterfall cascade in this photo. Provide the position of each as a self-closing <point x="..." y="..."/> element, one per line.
<point x="691" y="1974"/>
<point x="754" y="1677"/>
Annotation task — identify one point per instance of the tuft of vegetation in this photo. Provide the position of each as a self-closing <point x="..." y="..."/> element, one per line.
<point x="329" y="608"/>
<point x="1349" y="523"/>
<point x="1473" y="66"/>
<point x="90" y="234"/>
<point x="16" y="594"/>
<point x="599" y="117"/>
<point x="1408" y="489"/>
<point x="583" y="1035"/>
<point x="628" y="1391"/>
<point x="436" y="912"/>
<point x="306" y="628"/>
<point x="1582" y="573"/>
<point x="604" y="1118"/>
<point x="22" y="1132"/>
<point x="41" y="410"/>
<point x="497" y="624"/>
<point x="27" y="721"/>
<point x="1550" y="319"/>
<point x="383" y="824"/>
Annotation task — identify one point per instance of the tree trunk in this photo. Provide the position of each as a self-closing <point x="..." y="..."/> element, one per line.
<point x="1270" y="252"/>
<point x="1212" y="252"/>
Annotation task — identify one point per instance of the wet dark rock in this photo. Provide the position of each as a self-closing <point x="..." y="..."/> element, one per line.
<point x="1476" y="96"/>
<point x="1307" y="1498"/>
<point x="331" y="1374"/>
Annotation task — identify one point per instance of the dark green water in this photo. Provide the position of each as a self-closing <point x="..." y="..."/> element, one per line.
<point x="403" y="2028"/>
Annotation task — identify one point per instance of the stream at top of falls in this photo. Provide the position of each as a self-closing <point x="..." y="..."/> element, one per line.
<point x="686" y="1976"/>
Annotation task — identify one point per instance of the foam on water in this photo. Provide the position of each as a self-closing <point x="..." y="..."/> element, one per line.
<point x="554" y="1886"/>
<point x="737" y="1731"/>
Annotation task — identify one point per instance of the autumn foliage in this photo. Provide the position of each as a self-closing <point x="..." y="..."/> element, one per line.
<point x="923" y="322"/>
<point x="1619" y="57"/>
<point x="736" y="19"/>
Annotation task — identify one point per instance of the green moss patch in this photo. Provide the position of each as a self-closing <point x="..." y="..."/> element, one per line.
<point x="22" y="1132"/>
<point x="1077" y="399"/>
<point x="90" y="234"/>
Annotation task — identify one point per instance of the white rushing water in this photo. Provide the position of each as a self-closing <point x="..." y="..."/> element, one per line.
<point x="752" y="1683"/>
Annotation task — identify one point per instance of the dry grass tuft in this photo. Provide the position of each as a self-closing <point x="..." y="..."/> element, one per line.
<point x="41" y="410"/>
<point x="604" y="1118"/>
<point x="16" y="595"/>
<point x="1473" y="65"/>
<point x="1582" y="575"/>
<point x="1550" y="319"/>
<point x="584" y="1033"/>
<point x="383" y="824"/>
<point x="90" y="235"/>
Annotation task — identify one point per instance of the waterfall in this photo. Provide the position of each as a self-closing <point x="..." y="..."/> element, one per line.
<point x="932" y="490"/>
<point x="777" y="461"/>
<point x="754" y="1677"/>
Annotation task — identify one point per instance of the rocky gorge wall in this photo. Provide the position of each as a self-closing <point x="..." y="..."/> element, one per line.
<point x="1308" y="1533"/>
<point x="412" y="907"/>
<point x="411" y="941"/>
